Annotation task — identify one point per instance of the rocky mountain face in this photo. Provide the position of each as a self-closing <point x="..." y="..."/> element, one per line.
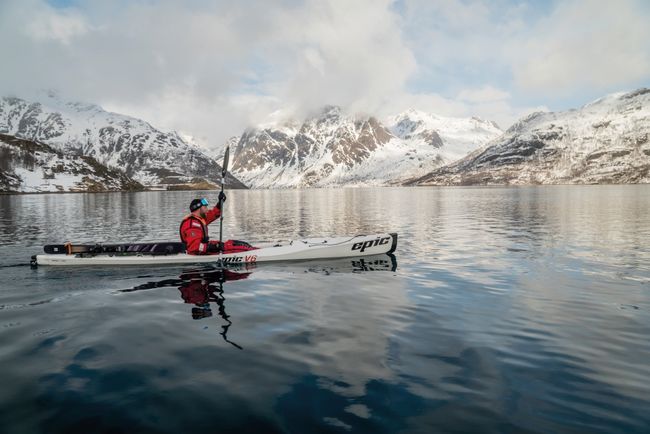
<point x="31" y="167"/>
<point x="142" y="152"/>
<point x="606" y="141"/>
<point x="332" y="149"/>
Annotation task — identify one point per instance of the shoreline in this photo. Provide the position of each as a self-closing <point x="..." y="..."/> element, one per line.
<point x="18" y="193"/>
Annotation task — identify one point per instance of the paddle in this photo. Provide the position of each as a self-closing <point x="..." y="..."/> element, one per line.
<point x="224" y="170"/>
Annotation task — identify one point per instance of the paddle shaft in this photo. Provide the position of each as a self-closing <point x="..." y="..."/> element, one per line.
<point x="224" y="171"/>
<point x="221" y="217"/>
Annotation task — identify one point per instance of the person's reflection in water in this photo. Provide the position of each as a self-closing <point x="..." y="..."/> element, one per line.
<point x="200" y="288"/>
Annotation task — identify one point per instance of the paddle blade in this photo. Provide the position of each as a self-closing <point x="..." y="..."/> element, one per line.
<point x="224" y="166"/>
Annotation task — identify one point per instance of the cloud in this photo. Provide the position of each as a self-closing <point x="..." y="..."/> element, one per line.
<point x="500" y="59"/>
<point x="461" y="43"/>
<point x="487" y="103"/>
<point x="484" y="94"/>
<point x="533" y="49"/>
<point x="212" y="68"/>
<point x="591" y="44"/>
<point x="61" y="26"/>
<point x="189" y="66"/>
<point x="337" y="52"/>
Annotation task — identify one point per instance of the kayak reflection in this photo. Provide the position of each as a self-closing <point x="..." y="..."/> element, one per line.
<point x="385" y="262"/>
<point x="203" y="287"/>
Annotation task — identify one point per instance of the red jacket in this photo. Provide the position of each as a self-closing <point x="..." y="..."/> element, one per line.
<point x="194" y="231"/>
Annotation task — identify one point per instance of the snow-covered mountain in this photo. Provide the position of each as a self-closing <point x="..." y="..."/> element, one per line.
<point x="332" y="149"/>
<point x="454" y="137"/>
<point x="30" y="167"/>
<point x="131" y="145"/>
<point x="606" y="141"/>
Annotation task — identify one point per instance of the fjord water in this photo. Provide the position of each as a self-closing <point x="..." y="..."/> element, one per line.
<point x="509" y="310"/>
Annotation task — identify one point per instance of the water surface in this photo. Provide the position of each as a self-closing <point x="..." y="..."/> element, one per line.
<point x="507" y="310"/>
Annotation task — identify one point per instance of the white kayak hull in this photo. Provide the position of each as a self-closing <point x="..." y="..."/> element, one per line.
<point x="313" y="248"/>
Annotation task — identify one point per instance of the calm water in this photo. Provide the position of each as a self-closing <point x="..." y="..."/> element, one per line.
<point x="509" y="310"/>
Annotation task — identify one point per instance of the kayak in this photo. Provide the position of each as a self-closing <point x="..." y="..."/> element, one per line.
<point x="170" y="253"/>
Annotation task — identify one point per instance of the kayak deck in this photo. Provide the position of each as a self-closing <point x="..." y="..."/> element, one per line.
<point x="312" y="248"/>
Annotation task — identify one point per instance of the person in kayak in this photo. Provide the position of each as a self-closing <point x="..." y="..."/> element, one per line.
<point x="194" y="230"/>
<point x="194" y="227"/>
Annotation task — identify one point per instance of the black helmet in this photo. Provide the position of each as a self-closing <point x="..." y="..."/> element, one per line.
<point x="198" y="203"/>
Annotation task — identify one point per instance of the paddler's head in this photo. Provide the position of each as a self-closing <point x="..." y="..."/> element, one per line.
<point x="199" y="207"/>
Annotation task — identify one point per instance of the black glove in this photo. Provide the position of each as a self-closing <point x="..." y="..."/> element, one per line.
<point x="222" y="197"/>
<point x="215" y="247"/>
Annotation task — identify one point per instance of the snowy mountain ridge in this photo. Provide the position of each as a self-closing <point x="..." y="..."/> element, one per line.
<point x="332" y="149"/>
<point x="604" y="141"/>
<point x="131" y="145"/>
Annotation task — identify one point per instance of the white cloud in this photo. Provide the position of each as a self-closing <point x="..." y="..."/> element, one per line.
<point x="486" y="103"/>
<point x="61" y="26"/>
<point x="494" y="58"/>
<point x="190" y="67"/>
<point x="338" y="52"/>
<point x="210" y="69"/>
<point x="585" y="44"/>
<point x="483" y="94"/>
<point x="463" y="38"/>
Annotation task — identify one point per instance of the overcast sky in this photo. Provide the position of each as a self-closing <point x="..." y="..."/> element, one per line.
<point x="211" y="68"/>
